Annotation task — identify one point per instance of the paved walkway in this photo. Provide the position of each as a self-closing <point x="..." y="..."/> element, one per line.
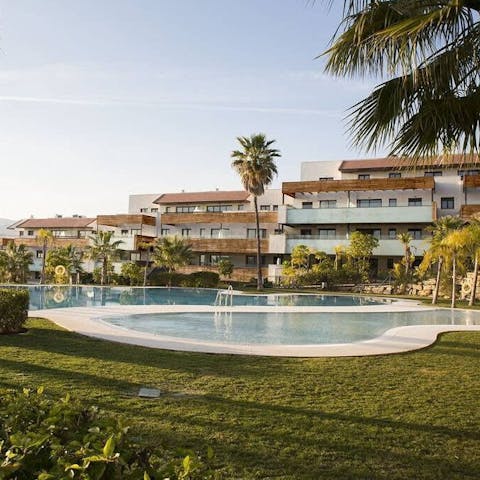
<point x="87" y="321"/>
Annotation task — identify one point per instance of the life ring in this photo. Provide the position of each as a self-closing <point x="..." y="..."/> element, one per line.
<point x="60" y="270"/>
<point x="58" y="297"/>
<point x="466" y="288"/>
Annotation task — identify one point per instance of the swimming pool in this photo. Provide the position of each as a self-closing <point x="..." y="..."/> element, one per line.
<point x="282" y="328"/>
<point x="47" y="297"/>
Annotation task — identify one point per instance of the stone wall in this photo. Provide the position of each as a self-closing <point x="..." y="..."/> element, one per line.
<point x="466" y="287"/>
<point x="420" y="289"/>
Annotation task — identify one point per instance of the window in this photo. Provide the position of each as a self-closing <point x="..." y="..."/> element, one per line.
<point x="305" y="231"/>
<point x="153" y="210"/>
<point x="392" y="202"/>
<point x="394" y="175"/>
<point x="241" y="207"/>
<point x="447" y="203"/>
<point x="364" y="176"/>
<point x="369" y="203"/>
<point x="466" y="173"/>
<point x="20" y="233"/>
<point x="203" y="232"/>
<point x="307" y="205"/>
<point x="327" y="232"/>
<point x="392" y="233"/>
<point x="124" y="232"/>
<point x="39" y="253"/>
<point x="390" y="262"/>
<point x="275" y="208"/>
<point x="328" y="204"/>
<point x="59" y="233"/>
<point x="251" y="260"/>
<point x="252" y="233"/>
<point x="185" y="209"/>
<point x="168" y="209"/>
<point x="325" y="179"/>
<point x="264" y="207"/>
<point x="433" y="173"/>
<point x="30" y="233"/>
<point x="143" y="210"/>
<point x="218" y="208"/>
<point x="219" y="232"/>
<point x="164" y="231"/>
<point x="414" y="202"/>
<point x="416" y="233"/>
<point x="186" y="232"/>
<point x="377" y="233"/>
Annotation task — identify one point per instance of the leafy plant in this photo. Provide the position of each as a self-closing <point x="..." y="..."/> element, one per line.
<point x="13" y="309"/>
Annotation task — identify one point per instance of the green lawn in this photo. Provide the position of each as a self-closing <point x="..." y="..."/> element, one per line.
<point x="410" y="416"/>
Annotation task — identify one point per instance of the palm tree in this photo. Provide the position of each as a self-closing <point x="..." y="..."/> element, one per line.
<point x="455" y="243"/>
<point x="14" y="262"/>
<point x="46" y="236"/>
<point x="74" y="262"/>
<point x="472" y="232"/>
<point x="428" y="53"/>
<point x="171" y="253"/>
<point x="255" y="164"/>
<point x="147" y="247"/>
<point x="104" y="250"/>
<point x="406" y="239"/>
<point x="339" y="253"/>
<point x="437" y="251"/>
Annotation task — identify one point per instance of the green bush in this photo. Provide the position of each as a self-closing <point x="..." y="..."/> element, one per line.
<point x="160" y="279"/>
<point x="203" y="279"/>
<point x="13" y="309"/>
<point x="47" y="439"/>
<point x="193" y="280"/>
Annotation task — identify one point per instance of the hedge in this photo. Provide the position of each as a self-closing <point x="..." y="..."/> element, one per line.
<point x="196" y="280"/>
<point x="13" y="309"/>
<point x="48" y="439"/>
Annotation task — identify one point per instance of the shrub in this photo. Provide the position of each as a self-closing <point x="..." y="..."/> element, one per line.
<point x="132" y="273"/>
<point x="173" y="279"/>
<point x="193" y="280"/>
<point x="47" y="439"/>
<point x="13" y="309"/>
<point x="203" y="279"/>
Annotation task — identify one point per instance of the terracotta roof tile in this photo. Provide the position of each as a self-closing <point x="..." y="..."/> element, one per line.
<point x="391" y="163"/>
<point x="60" y="222"/>
<point x="203" y="197"/>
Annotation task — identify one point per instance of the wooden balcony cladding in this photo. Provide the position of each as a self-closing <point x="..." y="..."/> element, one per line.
<point x="217" y="217"/>
<point x="468" y="211"/>
<point x="409" y="183"/>
<point x="126" y="219"/>
<point x="143" y="239"/>
<point x="227" y="245"/>
<point x="471" y="181"/>
<point x="57" y="242"/>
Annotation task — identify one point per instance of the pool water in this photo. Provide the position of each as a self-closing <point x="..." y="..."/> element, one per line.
<point x="287" y="328"/>
<point x="86" y="296"/>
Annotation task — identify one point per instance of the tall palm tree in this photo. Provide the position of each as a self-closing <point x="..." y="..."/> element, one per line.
<point x="47" y="238"/>
<point x="147" y="247"/>
<point x="74" y="262"/>
<point x="427" y="52"/>
<point x="406" y="239"/>
<point x="171" y="253"/>
<point x="472" y="232"/>
<point x="437" y="251"/>
<point x="455" y="243"/>
<point x="103" y="249"/>
<point x="14" y="262"/>
<point x="255" y="163"/>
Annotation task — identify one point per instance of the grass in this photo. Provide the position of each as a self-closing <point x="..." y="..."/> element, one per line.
<point x="409" y="416"/>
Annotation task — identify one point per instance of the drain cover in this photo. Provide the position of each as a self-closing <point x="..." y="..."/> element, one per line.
<point x="149" y="393"/>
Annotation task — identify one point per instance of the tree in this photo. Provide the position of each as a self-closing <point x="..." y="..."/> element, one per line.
<point x="104" y="250"/>
<point x="14" y="263"/>
<point x="406" y="240"/>
<point x="255" y="164"/>
<point x="472" y="232"/>
<point x="225" y="267"/>
<point x="148" y="248"/>
<point x="361" y="250"/>
<point x="426" y="54"/>
<point x="70" y="257"/>
<point x="339" y="253"/>
<point x="437" y="251"/>
<point x="46" y="237"/>
<point x="171" y="253"/>
<point x="132" y="272"/>
<point x="455" y="243"/>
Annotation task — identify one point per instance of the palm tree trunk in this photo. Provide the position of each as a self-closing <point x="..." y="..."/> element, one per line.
<point x="437" y="283"/>
<point x="454" y="274"/>
<point x="44" y="258"/>
<point x="146" y="268"/>
<point x="259" y="255"/>
<point x="473" y="293"/>
<point x="103" y="276"/>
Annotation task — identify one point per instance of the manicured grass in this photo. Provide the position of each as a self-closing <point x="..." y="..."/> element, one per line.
<point x="410" y="416"/>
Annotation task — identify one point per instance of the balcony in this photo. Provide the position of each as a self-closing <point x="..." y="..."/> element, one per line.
<point x="468" y="211"/>
<point x="374" y="215"/>
<point x="391" y="247"/>
<point x="217" y="217"/>
<point x="226" y="245"/>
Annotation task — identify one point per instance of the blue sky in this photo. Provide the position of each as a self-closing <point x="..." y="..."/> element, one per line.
<point x="103" y="98"/>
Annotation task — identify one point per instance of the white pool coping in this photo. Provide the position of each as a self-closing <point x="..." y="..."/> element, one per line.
<point x="88" y="321"/>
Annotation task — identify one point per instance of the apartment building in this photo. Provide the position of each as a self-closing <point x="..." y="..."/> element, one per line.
<point x="382" y="197"/>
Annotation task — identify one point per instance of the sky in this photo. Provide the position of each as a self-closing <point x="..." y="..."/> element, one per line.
<point x="100" y="99"/>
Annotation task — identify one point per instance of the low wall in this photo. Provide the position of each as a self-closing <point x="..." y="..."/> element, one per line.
<point x="240" y="274"/>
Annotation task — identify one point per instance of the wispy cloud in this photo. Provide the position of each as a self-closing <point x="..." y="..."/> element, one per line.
<point x="117" y="102"/>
